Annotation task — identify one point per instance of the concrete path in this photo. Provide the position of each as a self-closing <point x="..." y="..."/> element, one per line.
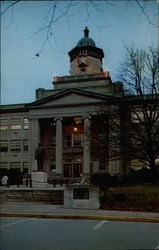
<point x="43" y="210"/>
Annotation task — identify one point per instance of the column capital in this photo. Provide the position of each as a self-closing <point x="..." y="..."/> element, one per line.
<point x="58" y="119"/>
<point x="86" y="117"/>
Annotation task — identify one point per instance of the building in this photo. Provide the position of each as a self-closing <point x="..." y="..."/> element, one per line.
<point x="62" y="118"/>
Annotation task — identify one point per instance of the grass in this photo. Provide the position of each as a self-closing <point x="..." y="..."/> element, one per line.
<point x="132" y="198"/>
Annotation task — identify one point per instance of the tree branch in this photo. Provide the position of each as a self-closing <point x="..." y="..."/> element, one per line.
<point x="145" y="14"/>
<point x="9" y="6"/>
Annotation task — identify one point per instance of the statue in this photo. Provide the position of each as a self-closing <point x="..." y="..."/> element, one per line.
<point x="39" y="156"/>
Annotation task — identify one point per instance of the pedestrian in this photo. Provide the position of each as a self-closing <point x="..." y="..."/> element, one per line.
<point x="4" y="180"/>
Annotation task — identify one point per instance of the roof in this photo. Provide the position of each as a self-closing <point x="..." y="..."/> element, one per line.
<point x="13" y="108"/>
<point x="87" y="94"/>
<point x="86" y="40"/>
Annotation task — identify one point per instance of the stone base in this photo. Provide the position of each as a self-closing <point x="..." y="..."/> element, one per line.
<point x="81" y="196"/>
<point x="39" y="179"/>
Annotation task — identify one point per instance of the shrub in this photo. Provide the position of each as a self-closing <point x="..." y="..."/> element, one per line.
<point x="144" y="175"/>
<point x="14" y="177"/>
<point x="132" y="198"/>
<point x="120" y="197"/>
<point x="104" y="180"/>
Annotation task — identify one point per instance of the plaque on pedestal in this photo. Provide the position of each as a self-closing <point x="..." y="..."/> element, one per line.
<point x="82" y="196"/>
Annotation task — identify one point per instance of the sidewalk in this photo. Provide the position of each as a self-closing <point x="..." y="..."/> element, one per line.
<point x="43" y="210"/>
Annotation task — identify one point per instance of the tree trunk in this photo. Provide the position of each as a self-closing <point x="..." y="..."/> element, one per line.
<point x="154" y="172"/>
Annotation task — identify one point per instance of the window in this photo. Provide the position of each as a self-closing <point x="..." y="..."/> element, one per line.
<point x="52" y="166"/>
<point x="53" y="141"/>
<point x="15" y="165"/>
<point x="72" y="169"/>
<point x="67" y="140"/>
<point x="3" y="165"/>
<point x="25" y="145"/>
<point x="77" y="140"/>
<point x="4" y="124"/>
<point x="3" y="146"/>
<point x="74" y="140"/>
<point x="102" y="164"/>
<point x="15" y="146"/>
<point x="26" y="123"/>
<point x="102" y="136"/>
<point x="136" y="164"/>
<point x="15" y="124"/>
<point x="25" y="167"/>
<point x="136" y="117"/>
<point x="73" y="166"/>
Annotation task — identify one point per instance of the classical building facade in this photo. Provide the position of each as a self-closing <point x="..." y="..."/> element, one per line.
<point x="62" y="119"/>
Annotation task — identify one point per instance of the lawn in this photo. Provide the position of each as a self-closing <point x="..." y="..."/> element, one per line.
<point x="132" y="198"/>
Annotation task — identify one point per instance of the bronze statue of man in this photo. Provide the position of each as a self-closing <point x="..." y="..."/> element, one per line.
<point x="39" y="156"/>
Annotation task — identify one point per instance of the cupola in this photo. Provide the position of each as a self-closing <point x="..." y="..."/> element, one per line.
<point x="86" y="40"/>
<point x="85" y="57"/>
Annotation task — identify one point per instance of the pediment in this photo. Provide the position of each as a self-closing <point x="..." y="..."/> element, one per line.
<point x="71" y="97"/>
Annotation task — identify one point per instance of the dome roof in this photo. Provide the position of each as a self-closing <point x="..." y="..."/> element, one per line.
<point x="86" y="40"/>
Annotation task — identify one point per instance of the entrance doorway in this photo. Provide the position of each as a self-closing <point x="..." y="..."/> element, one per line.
<point x="72" y="169"/>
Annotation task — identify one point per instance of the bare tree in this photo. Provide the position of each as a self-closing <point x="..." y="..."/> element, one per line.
<point x="99" y="138"/>
<point x="133" y="120"/>
<point x="140" y="76"/>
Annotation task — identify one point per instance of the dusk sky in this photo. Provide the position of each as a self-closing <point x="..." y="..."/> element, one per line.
<point x="112" y="25"/>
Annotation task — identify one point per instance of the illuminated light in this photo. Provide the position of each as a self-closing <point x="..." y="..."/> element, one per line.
<point x="75" y="129"/>
<point x="106" y="73"/>
<point x="157" y="162"/>
<point x="55" y="78"/>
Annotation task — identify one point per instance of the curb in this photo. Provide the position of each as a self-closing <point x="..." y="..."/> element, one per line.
<point x="82" y="217"/>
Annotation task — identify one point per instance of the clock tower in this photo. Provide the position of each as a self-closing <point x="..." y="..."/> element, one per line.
<point x="86" y="58"/>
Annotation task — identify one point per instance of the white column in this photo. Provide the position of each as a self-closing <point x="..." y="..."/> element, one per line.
<point x="59" y="162"/>
<point x="34" y="129"/>
<point x="86" y="146"/>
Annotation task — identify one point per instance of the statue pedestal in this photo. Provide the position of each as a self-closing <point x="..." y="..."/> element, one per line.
<point x="81" y="196"/>
<point x="39" y="179"/>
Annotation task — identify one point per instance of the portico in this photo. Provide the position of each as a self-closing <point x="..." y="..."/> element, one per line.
<point x="66" y="141"/>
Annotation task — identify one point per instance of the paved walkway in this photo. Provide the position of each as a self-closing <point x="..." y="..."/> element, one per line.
<point x="43" y="210"/>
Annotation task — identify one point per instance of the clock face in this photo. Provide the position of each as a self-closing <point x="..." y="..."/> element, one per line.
<point x="82" y="60"/>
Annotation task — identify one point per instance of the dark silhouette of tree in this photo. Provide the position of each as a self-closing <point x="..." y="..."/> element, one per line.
<point x="133" y="120"/>
<point x="140" y="76"/>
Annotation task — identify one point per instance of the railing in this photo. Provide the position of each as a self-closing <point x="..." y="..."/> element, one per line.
<point x="75" y="77"/>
